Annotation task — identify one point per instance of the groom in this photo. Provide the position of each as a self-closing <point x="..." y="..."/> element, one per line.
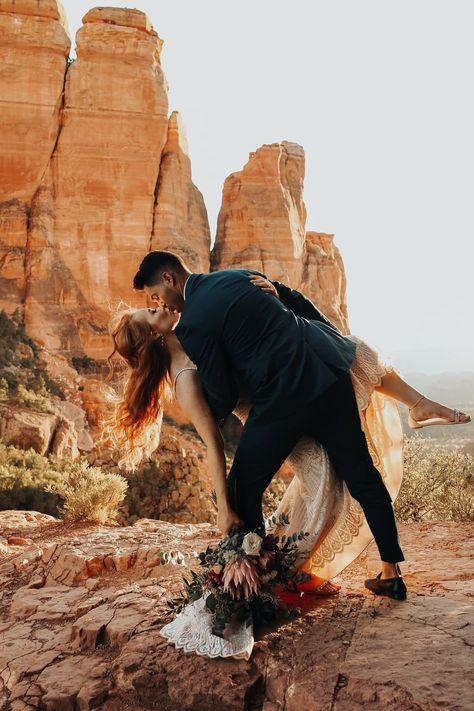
<point x="298" y="381"/>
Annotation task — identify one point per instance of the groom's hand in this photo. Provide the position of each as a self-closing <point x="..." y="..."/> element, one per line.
<point x="226" y="519"/>
<point x="264" y="285"/>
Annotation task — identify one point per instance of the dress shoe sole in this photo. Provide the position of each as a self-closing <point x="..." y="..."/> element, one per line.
<point x="394" y="596"/>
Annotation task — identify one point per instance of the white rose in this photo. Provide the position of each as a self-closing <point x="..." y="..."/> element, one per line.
<point x="252" y="543"/>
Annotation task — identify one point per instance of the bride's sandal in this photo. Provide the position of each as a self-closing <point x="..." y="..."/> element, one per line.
<point x="326" y="589"/>
<point x="318" y="586"/>
<point x="417" y="424"/>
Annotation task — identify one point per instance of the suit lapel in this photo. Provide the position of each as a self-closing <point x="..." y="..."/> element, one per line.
<point x="189" y="287"/>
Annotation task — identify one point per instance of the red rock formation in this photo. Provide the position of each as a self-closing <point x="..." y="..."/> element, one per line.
<point x="262" y="223"/>
<point x="46" y="433"/>
<point x="323" y="279"/>
<point x="100" y="190"/>
<point x="34" y="46"/>
<point x="181" y="224"/>
<point x="80" y="182"/>
<point x="262" y="218"/>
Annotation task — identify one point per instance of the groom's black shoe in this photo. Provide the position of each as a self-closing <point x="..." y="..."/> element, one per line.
<point x="392" y="587"/>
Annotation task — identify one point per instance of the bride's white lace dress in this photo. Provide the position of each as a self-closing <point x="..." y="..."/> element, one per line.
<point x="318" y="502"/>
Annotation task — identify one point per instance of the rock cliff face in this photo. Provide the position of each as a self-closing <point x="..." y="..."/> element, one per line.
<point x="180" y="221"/>
<point x="262" y="225"/>
<point x="100" y="184"/>
<point x="34" y="46"/>
<point x="262" y="217"/>
<point x="323" y="278"/>
<point x="94" y="175"/>
<point x="89" y="191"/>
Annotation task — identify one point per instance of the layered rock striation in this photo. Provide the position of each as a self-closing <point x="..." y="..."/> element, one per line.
<point x="181" y="223"/>
<point x="262" y="225"/>
<point x="86" y="187"/>
<point x="100" y="184"/>
<point x="34" y="47"/>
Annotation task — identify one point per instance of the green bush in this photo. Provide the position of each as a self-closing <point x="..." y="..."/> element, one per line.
<point x="89" y="494"/>
<point x="27" y="372"/>
<point x="23" y="475"/>
<point x="85" y="363"/>
<point x="39" y="400"/>
<point x="438" y="483"/>
<point x="29" y="481"/>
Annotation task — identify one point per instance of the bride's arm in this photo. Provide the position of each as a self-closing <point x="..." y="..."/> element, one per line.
<point x="190" y="396"/>
<point x="293" y="300"/>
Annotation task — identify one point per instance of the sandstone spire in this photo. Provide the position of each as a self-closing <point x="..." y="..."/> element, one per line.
<point x="261" y="222"/>
<point x="102" y="183"/>
<point x="262" y="225"/>
<point x="34" y="46"/>
<point x="180" y="221"/>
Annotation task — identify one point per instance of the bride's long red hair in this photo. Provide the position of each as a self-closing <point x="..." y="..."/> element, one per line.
<point x="136" y="422"/>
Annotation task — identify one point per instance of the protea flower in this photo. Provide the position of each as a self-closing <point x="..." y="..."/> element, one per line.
<point x="240" y="578"/>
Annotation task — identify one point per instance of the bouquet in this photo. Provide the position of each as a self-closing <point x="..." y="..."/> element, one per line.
<point x="239" y="577"/>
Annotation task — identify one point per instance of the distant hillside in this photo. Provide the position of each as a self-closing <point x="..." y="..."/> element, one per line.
<point x="451" y="388"/>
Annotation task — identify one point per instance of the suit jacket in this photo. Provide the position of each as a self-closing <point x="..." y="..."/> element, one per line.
<point x="239" y="336"/>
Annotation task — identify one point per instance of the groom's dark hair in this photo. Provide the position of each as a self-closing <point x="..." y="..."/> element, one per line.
<point x="153" y="265"/>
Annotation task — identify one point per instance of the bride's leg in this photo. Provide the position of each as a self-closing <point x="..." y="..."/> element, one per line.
<point x="393" y="385"/>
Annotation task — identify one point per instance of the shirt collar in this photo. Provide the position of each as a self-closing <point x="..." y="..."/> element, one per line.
<point x="184" y="287"/>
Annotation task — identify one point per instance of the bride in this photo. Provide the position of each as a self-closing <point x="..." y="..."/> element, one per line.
<point x="316" y="500"/>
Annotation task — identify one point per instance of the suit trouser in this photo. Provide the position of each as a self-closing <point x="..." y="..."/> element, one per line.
<point x="333" y="420"/>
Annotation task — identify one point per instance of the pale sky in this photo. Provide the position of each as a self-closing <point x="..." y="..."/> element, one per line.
<point x="378" y="95"/>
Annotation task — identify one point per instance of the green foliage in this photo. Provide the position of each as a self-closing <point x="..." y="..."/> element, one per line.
<point x="26" y="371"/>
<point x="438" y="483"/>
<point x="32" y="482"/>
<point x="3" y="389"/>
<point x="39" y="400"/>
<point x="85" y="363"/>
<point x="12" y="332"/>
<point x="23" y="475"/>
<point x="89" y="494"/>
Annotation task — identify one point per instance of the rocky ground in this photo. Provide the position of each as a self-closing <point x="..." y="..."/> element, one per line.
<point x="82" y="607"/>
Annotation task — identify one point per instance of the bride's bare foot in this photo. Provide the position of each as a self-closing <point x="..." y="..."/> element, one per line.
<point x="429" y="409"/>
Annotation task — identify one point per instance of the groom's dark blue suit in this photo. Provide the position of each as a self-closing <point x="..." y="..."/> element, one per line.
<point x="293" y="363"/>
<point x="236" y="334"/>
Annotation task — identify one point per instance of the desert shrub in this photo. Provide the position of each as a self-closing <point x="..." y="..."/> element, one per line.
<point x="85" y="363"/>
<point x="30" y="481"/>
<point x="39" y="400"/>
<point x="438" y="483"/>
<point x="23" y="475"/>
<point x="27" y="371"/>
<point x="88" y="493"/>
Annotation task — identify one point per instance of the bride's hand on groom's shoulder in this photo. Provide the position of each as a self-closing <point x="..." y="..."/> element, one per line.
<point x="226" y="519"/>
<point x="264" y="285"/>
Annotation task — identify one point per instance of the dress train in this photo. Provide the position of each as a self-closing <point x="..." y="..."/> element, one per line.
<point x="317" y="501"/>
